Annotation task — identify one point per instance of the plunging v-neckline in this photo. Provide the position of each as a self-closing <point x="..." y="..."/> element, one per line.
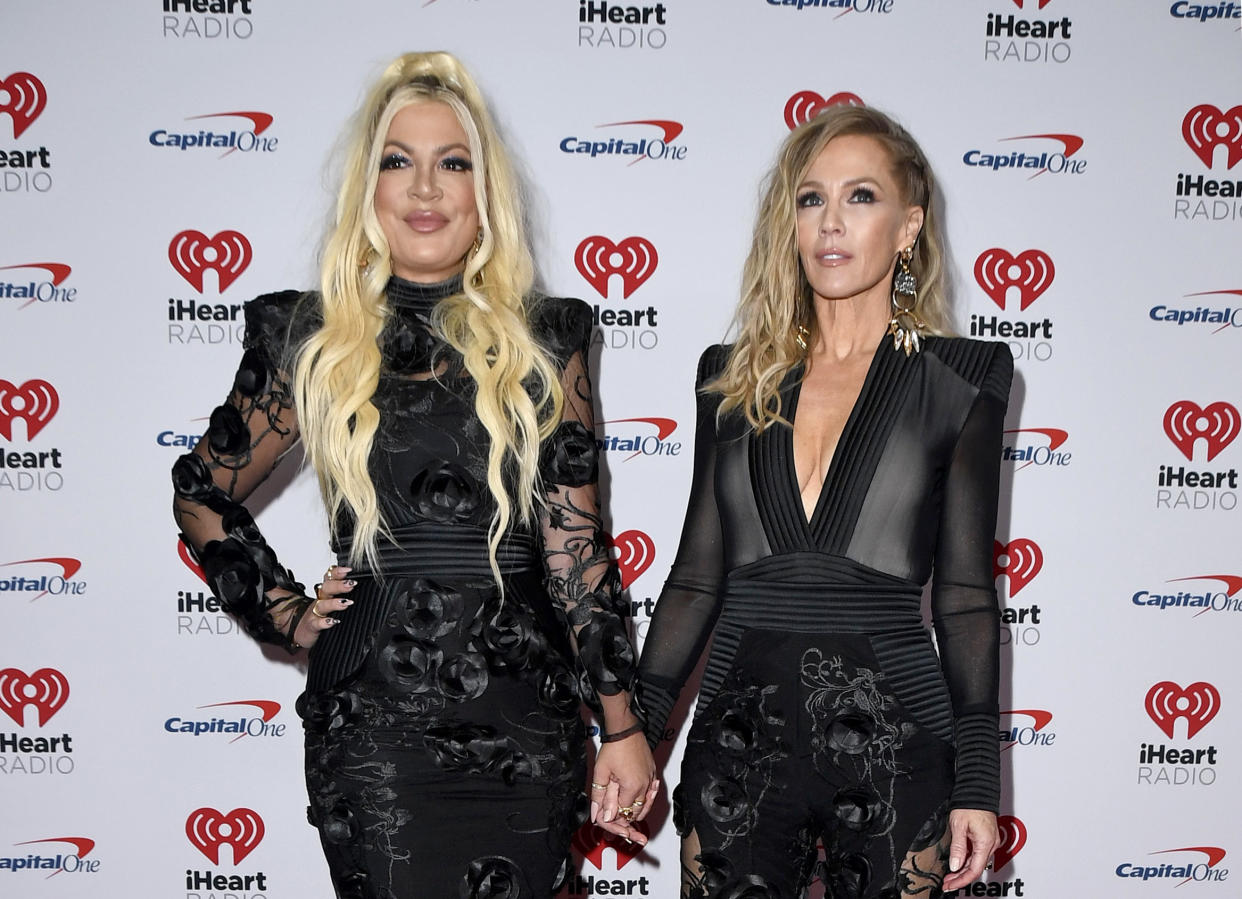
<point x="846" y="432"/>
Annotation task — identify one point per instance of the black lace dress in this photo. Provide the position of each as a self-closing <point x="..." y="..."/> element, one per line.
<point x="444" y="743"/>
<point x="825" y="713"/>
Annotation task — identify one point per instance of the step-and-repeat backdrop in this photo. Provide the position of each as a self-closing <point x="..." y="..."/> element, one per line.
<point x="1091" y="161"/>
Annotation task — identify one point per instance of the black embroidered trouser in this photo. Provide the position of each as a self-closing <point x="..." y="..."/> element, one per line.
<point x="807" y="739"/>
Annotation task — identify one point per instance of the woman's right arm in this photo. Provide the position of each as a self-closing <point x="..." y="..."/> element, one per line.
<point x="690" y="602"/>
<point x="245" y="439"/>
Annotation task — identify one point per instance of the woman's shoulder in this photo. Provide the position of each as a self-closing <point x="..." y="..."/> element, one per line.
<point x="281" y="319"/>
<point x="985" y="364"/>
<point x="562" y="325"/>
<point x="712" y="362"/>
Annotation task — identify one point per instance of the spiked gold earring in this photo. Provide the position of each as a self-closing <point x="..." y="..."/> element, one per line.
<point x="905" y="326"/>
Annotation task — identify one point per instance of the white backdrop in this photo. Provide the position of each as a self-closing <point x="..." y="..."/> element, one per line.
<point x="1091" y="161"/>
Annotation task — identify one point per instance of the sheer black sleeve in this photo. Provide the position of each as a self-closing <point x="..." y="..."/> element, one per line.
<point x="582" y="579"/>
<point x="963" y="600"/>
<point x="245" y="439"/>
<point x="690" y="601"/>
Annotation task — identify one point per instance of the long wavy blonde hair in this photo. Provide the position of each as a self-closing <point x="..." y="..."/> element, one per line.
<point x="776" y="296"/>
<point x="518" y="397"/>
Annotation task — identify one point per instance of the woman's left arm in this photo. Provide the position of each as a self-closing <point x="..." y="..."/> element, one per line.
<point x="582" y="579"/>
<point x="966" y="617"/>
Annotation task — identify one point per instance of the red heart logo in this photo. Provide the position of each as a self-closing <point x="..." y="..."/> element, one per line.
<point x="1012" y="839"/>
<point x="47" y="690"/>
<point x="1217" y="423"/>
<point x="184" y="552"/>
<point x="1205" y="127"/>
<point x="591" y="840"/>
<point x="1198" y="704"/>
<point x="1019" y="559"/>
<point x="34" y="402"/>
<point x="635" y="553"/>
<point x="208" y="830"/>
<point x="1031" y="271"/>
<point x="193" y="252"/>
<point x="598" y="258"/>
<point x="27" y="99"/>
<point x="805" y="105"/>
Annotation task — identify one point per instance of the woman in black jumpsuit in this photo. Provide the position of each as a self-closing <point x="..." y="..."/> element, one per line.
<point x="445" y="752"/>
<point x="825" y="713"/>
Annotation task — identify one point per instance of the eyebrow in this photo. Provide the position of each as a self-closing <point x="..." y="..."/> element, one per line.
<point x="853" y="182"/>
<point x="444" y="148"/>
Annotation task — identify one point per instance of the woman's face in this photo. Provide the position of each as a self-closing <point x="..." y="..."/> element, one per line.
<point x="852" y="221"/>
<point x="424" y="198"/>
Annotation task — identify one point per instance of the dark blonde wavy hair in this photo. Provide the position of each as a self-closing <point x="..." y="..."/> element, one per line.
<point x="776" y="297"/>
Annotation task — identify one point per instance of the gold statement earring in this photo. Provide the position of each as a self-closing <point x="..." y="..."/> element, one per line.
<point x="905" y="326"/>
<point x="801" y="337"/>
<point x="367" y="257"/>
<point x="477" y="280"/>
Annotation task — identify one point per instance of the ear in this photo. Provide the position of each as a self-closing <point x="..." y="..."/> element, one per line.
<point x="913" y="226"/>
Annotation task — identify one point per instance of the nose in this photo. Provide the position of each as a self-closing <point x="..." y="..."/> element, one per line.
<point x="831" y="220"/>
<point x="423" y="182"/>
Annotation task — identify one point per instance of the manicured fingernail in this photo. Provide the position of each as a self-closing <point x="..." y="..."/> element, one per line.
<point x="351" y="583"/>
<point x="347" y="602"/>
<point x="594" y="811"/>
<point x="609" y="814"/>
<point x="955" y="862"/>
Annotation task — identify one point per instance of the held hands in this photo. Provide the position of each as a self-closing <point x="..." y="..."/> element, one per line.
<point x="623" y="786"/>
<point x="974" y="837"/>
<point x="329" y="597"/>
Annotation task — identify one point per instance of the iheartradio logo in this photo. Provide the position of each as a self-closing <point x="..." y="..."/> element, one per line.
<point x="590" y="841"/>
<point x="806" y="105"/>
<point x="1205" y="128"/>
<point x="635" y="551"/>
<point x="208" y="830"/>
<point x="1020" y="560"/>
<point x="46" y="689"/>
<point x="187" y="557"/>
<point x="1217" y="424"/>
<point x="634" y="259"/>
<point x="192" y="253"/>
<point x="34" y="402"/>
<point x="24" y="98"/>
<point x="1012" y="839"/>
<point x="1031" y="272"/>
<point x="1197" y="703"/>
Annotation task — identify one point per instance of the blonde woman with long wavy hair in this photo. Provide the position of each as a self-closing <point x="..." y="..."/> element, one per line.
<point x="848" y="451"/>
<point x="446" y="409"/>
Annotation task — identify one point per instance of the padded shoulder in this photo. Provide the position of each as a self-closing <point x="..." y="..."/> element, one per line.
<point x="562" y="325"/>
<point x="278" y="322"/>
<point x="712" y="363"/>
<point x="986" y="364"/>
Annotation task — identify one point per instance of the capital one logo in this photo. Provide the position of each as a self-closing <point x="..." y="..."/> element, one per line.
<point x="806" y="105"/>
<point x="635" y="551"/>
<point x="192" y="253"/>
<point x="23" y="97"/>
<point x="1019" y="560"/>
<point x="1012" y="839"/>
<point x="46" y="689"/>
<point x="634" y="259"/>
<point x="82" y="846"/>
<point x="68" y="567"/>
<point x="58" y="271"/>
<point x="34" y="402"/>
<point x="591" y="840"/>
<point x="1197" y="703"/>
<point x="1031" y="271"/>
<point x="209" y="829"/>
<point x="1205" y="128"/>
<point x="1217" y="424"/>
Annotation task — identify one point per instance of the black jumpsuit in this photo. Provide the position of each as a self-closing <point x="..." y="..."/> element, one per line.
<point x="445" y="751"/>
<point x="824" y="711"/>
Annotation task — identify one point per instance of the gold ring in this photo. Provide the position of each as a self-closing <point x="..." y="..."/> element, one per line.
<point x="595" y="786"/>
<point x="626" y="812"/>
<point x="315" y="610"/>
<point x="327" y="575"/>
